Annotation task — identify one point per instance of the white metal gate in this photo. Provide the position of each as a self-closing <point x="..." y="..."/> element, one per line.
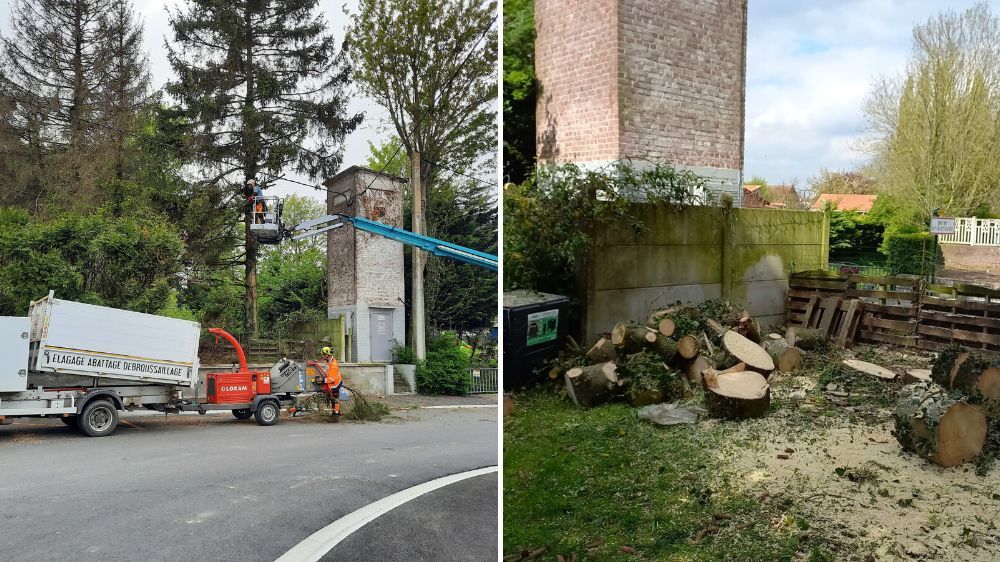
<point x="484" y="380"/>
<point x="974" y="232"/>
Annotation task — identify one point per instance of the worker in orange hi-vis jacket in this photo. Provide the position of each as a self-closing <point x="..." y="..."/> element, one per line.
<point x="333" y="380"/>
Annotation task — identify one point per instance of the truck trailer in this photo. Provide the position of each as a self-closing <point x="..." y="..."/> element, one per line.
<point x="84" y="363"/>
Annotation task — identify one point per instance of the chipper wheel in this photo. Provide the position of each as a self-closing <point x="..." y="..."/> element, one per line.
<point x="99" y="418"/>
<point x="267" y="412"/>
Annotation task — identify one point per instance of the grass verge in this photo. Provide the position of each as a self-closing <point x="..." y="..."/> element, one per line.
<point x="602" y="485"/>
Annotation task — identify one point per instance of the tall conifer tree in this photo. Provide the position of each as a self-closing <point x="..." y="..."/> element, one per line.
<point x="263" y="84"/>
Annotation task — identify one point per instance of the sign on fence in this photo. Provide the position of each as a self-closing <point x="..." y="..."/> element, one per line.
<point x="942" y="225"/>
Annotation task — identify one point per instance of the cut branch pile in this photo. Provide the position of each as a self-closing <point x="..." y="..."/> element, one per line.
<point x="945" y="419"/>
<point x="680" y="345"/>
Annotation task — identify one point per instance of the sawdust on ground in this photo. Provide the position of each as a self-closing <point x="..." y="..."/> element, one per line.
<point x="895" y="505"/>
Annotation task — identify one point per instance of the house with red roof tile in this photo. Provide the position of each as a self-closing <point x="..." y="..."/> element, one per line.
<point x="845" y="202"/>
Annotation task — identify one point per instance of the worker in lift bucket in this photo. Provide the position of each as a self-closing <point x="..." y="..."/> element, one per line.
<point x="333" y="380"/>
<point x="255" y="194"/>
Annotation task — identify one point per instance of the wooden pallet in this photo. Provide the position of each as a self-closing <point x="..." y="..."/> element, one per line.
<point x="895" y="309"/>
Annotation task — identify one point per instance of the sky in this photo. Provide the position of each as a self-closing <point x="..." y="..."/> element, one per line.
<point x="156" y="28"/>
<point x="809" y="67"/>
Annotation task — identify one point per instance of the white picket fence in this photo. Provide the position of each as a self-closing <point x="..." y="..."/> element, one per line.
<point x="974" y="232"/>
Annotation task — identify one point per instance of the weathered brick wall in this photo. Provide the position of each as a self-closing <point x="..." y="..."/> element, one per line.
<point x="681" y="81"/>
<point x="576" y="62"/>
<point x="365" y="268"/>
<point x="380" y="274"/>
<point x="340" y="248"/>
<point x="648" y="79"/>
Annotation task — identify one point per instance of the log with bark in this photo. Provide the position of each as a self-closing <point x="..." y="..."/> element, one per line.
<point x="808" y="339"/>
<point x="786" y="358"/>
<point x="976" y="375"/>
<point x="592" y="385"/>
<point x="692" y="368"/>
<point x="630" y="338"/>
<point x="744" y="325"/>
<point x="939" y="428"/>
<point x="739" y="347"/>
<point x="871" y="369"/>
<point x="736" y="395"/>
<point x="663" y="346"/>
<point x="603" y="351"/>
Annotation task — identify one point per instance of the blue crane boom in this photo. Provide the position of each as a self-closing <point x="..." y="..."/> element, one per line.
<point x="427" y="243"/>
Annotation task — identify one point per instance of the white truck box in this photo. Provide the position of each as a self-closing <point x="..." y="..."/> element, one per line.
<point x="14" y="353"/>
<point x="74" y="338"/>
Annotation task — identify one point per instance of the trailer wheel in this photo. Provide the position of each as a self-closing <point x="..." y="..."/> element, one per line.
<point x="99" y="418"/>
<point x="267" y="412"/>
<point x="242" y="414"/>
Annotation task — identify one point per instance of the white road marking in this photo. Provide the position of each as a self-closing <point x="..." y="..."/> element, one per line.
<point x="316" y="545"/>
<point x="495" y="406"/>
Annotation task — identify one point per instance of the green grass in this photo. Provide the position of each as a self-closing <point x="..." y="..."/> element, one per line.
<point x="588" y="482"/>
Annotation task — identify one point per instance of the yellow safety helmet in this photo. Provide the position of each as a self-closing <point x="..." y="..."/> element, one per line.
<point x="327" y="351"/>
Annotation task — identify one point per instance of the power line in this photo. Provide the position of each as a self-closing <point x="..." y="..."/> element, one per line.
<point x="455" y="171"/>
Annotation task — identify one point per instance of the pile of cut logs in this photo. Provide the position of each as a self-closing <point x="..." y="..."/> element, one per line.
<point x="945" y="419"/>
<point x="678" y="347"/>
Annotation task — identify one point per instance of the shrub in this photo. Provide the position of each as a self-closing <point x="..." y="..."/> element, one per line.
<point x="404" y="355"/>
<point x="446" y="370"/>
<point x="548" y="220"/>
<point x="903" y="252"/>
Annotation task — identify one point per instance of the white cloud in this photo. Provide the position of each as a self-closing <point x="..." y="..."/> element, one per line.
<point x="809" y="68"/>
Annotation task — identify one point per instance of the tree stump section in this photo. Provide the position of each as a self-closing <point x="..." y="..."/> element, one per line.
<point x="743" y="350"/>
<point x="592" y="386"/>
<point x="870" y="369"/>
<point x="786" y="358"/>
<point x="973" y="374"/>
<point x="603" y="351"/>
<point x="748" y="352"/>
<point x="944" y="431"/>
<point x="736" y="396"/>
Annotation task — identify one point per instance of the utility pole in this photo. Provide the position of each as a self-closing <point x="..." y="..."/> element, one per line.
<point x="417" y="322"/>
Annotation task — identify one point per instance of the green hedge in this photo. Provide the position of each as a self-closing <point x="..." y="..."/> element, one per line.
<point x="903" y="253"/>
<point x="446" y="369"/>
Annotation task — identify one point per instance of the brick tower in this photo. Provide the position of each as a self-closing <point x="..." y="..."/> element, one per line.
<point x="646" y="79"/>
<point x="365" y="270"/>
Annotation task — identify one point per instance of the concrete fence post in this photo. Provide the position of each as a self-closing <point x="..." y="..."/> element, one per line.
<point x="728" y="247"/>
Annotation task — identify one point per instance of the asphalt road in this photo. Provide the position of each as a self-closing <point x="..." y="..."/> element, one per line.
<point x="214" y="488"/>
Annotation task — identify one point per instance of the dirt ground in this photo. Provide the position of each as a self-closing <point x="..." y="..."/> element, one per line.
<point x="847" y="473"/>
